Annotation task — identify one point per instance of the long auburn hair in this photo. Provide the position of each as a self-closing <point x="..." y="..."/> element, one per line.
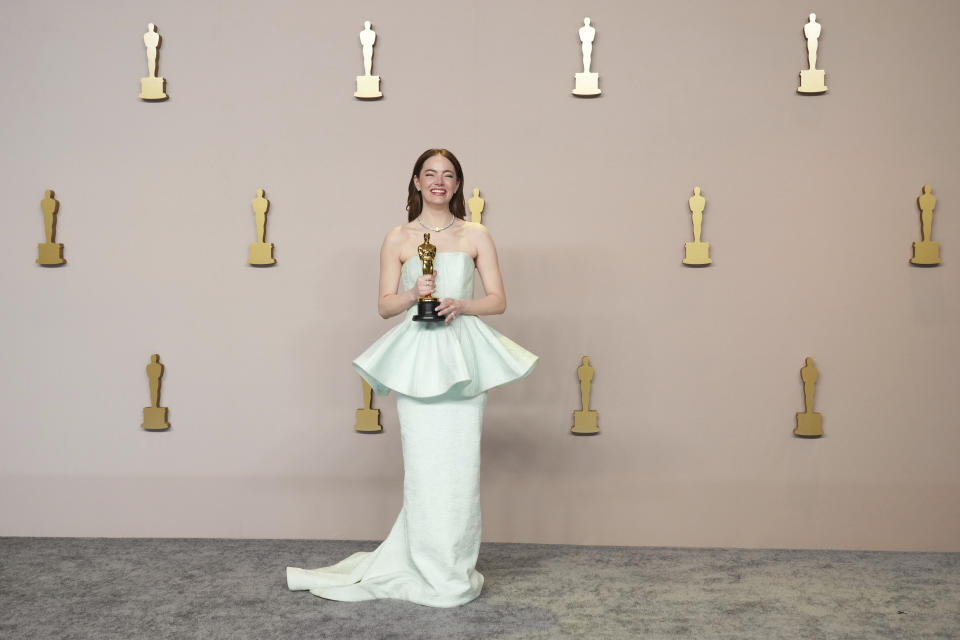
<point x="415" y="198"/>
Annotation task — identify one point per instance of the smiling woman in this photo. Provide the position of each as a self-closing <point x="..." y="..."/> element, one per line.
<point x="441" y="373"/>
<point x="443" y="175"/>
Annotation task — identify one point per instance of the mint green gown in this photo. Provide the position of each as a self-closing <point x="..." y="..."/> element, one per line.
<point x="441" y="374"/>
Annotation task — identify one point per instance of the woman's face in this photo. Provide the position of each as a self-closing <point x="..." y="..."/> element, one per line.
<point x="437" y="181"/>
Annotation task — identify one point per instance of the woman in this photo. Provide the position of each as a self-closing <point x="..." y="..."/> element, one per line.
<point x="440" y="372"/>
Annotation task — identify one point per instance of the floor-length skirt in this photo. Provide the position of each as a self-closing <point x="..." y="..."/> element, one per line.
<point x="430" y="555"/>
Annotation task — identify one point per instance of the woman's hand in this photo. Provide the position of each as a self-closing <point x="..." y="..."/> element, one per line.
<point x="426" y="285"/>
<point x="451" y="309"/>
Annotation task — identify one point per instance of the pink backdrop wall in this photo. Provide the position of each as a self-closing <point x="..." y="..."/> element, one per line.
<point x="810" y="212"/>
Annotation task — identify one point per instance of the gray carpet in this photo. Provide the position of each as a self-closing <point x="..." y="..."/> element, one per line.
<point x="72" y="588"/>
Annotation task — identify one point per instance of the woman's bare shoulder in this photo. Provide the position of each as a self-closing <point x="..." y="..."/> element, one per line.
<point x="397" y="235"/>
<point x="393" y="243"/>
<point x="475" y="230"/>
<point x="477" y="235"/>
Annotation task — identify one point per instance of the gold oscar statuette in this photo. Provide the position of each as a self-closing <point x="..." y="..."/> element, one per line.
<point x="587" y="83"/>
<point x="476" y="206"/>
<point x="926" y="253"/>
<point x="696" y="253"/>
<point x="155" y="416"/>
<point x="585" y="421"/>
<point x="809" y="423"/>
<point x="368" y="419"/>
<point x="261" y="253"/>
<point x="368" y="86"/>
<point x="152" y="88"/>
<point x="50" y="253"/>
<point x="812" y="79"/>
<point x="427" y="306"/>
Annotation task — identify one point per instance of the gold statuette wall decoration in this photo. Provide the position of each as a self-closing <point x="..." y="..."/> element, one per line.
<point x="476" y="206"/>
<point x="368" y="86"/>
<point x="152" y="87"/>
<point x="587" y="83"/>
<point x="585" y="421"/>
<point x="926" y="253"/>
<point x="50" y="253"/>
<point x="809" y="423"/>
<point x="368" y="419"/>
<point x="696" y="253"/>
<point x="155" y="416"/>
<point x="812" y="80"/>
<point x="261" y="253"/>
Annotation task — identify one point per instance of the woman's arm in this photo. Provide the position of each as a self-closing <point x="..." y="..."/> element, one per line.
<point x="392" y="302"/>
<point x="495" y="300"/>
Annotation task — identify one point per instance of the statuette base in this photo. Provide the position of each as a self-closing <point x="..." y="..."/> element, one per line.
<point x="809" y="425"/>
<point x="427" y="311"/>
<point x="368" y="421"/>
<point x="926" y="253"/>
<point x="50" y="254"/>
<point x="368" y="88"/>
<point x="697" y="253"/>
<point x="152" y="89"/>
<point x="155" y="419"/>
<point x="585" y="423"/>
<point x="812" y="81"/>
<point x="588" y="84"/>
<point x="261" y="253"/>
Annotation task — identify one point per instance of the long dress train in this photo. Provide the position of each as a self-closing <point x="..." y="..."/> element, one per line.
<point x="441" y="374"/>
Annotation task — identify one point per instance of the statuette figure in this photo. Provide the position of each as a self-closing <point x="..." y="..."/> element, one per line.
<point x="50" y="253"/>
<point x="476" y="206"/>
<point x="427" y="254"/>
<point x="155" y="416"/>
<point x="585" y="421"/>
<point x="697" y="253"/>
<point x="427" y="305"/>
<point x="152" y="87"/>
<point x="587" y="83"/>
<point x="261" y="253"/>
<point x="809" y="423"/>
<point x="368" y="86"/>
<point x="812" y="79"/>
<point x="926" y="252"/>
<point x="368" y="419"/>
